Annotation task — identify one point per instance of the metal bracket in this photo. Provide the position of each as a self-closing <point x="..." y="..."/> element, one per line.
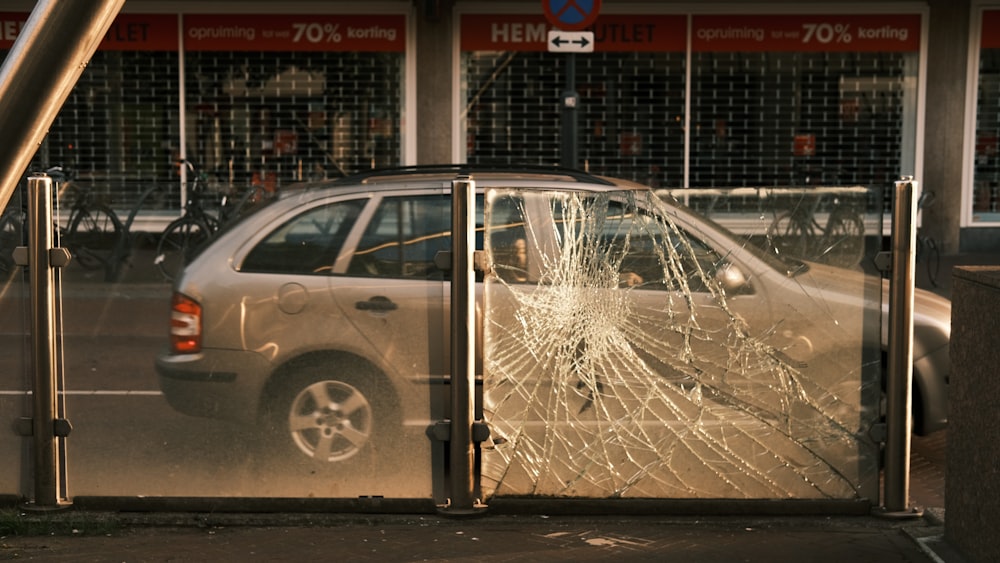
<point x="24" y="426"/>
<point x="20" y="255"/>
<point x="441" y="431"/>
<point x="61" y="427"/>
<point x="480" y="432"/>
<point x="58" y="257"/>
<point x="442" y="260"/>
<point x="479" y="261"/>
<point x="878" y="432"/>
<point x="883" y="261"/>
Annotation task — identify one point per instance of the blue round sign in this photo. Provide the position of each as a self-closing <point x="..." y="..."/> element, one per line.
<point x="571" y="15"/>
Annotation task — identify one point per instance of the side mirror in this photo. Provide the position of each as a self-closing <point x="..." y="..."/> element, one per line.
<point x="733" y="280"/>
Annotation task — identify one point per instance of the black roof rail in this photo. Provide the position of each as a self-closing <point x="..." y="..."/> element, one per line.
<point x="472" y="169"/>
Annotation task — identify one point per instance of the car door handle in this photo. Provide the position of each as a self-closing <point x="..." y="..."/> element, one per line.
<point x="377" y="303"/>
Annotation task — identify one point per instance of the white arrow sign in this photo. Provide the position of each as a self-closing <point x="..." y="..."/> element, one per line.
<point x="571" y="41"/>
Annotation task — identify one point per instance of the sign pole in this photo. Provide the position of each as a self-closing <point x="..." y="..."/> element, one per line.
<point x="569" y="149"/>
<point x="570" y="18"/>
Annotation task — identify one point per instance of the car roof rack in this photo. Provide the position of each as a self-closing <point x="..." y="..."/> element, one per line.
<point x="472" y="169"/>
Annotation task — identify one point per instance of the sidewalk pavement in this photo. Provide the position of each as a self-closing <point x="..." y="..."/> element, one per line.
<point x="276" y="537"/>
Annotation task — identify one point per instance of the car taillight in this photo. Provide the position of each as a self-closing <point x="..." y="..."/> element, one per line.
<point x="185" y="325"/>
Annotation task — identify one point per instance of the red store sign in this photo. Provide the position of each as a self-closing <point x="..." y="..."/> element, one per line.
<point x="612" y="33"/>
<point x="806" y="33"/>
<point x="991" y="30"/>
<point x="129" y="32"/>
<point x="284" y="32"/>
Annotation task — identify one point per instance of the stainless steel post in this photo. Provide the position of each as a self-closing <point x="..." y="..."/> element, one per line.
<point x="900" y="364"/>
<point x="45" y="414"/>
<point x="52" y="49"/>
<point x="463" y="367"/>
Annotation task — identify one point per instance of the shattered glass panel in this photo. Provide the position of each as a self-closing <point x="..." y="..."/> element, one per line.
<point x="635" y="349"/>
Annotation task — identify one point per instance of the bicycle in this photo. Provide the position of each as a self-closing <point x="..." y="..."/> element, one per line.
<point x="92" y="228"/>
<point x="184" y="236"/>
<point x="927" y="249"/>
<point x="12" y="233"/>
<point x="90" y="232"/>
<point x="797" y="233"/>
<point x="126" y="242"/>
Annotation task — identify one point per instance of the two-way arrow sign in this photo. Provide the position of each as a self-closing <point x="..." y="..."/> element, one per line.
<point x="571" y="41"/>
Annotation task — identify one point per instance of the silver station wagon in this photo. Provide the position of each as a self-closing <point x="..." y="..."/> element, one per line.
<point x="615" y="329"/>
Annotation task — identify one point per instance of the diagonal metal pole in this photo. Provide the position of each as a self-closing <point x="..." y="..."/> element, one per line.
<point x="41" y="69"/>
<point x="48" y="57"/>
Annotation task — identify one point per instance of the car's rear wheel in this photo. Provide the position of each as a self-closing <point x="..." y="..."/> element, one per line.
<point x="332" y="417"/>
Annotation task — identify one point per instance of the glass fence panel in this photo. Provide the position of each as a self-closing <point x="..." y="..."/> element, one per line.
<point x="273" y="365"/>
<point x="634" y="348"/>
<point x="15" y="379"/>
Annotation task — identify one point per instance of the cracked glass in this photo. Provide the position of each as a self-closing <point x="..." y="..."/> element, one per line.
<point x="635" y="349"/>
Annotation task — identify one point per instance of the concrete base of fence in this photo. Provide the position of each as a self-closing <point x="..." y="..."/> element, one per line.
<point x="972" y="480"/>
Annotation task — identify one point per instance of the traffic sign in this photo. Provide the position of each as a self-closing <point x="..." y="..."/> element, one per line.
<point x="571" y="15"/>
<point x="571" y="41"/>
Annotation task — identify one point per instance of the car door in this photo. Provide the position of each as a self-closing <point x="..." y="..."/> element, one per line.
<point x="282" y="309"/>
<point x="388" y="286"/>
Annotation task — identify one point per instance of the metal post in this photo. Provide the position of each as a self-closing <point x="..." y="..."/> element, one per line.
<point x="569" y="151"/>
<point x="41" y="69"/>
<point x="900" y="364"/>
<point x="463" y="366"/>
<point x="47" y="425"/>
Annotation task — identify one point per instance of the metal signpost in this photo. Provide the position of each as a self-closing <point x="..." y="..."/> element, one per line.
<point x="570" y="17"/>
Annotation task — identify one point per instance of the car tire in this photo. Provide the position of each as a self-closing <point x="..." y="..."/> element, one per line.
<point x="332" y="418"/>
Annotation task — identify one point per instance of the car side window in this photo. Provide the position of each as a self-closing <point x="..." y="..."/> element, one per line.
<point x="658" y="255"/>
<point x="648" y="252"/>
<point x="508" y="239"/>
<point x="403" y="237"/>
<point x="307" y="244"/>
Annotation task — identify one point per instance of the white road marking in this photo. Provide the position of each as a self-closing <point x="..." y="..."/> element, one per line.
<point x="107" y="392"/>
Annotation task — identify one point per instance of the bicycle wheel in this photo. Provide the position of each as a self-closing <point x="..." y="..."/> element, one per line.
<point x="789" y="235"/>
<point x="927" y="251"/>
<point x="843" y="239"/>
<point x="178" y="244"/>
<point x="92" y="236"/>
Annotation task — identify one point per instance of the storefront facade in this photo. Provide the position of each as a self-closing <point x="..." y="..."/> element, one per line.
<point x="984" y="209"/>
<point x="675" y="95"/>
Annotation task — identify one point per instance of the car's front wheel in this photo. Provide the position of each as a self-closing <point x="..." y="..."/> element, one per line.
<point x="328" y="417"/>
